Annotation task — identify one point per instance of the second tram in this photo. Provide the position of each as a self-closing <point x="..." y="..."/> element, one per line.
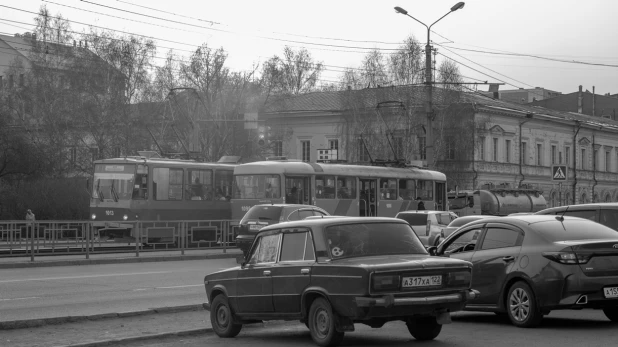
<point x="340" y="189"/>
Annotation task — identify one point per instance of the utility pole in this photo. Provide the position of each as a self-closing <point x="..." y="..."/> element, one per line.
<point x="429" y="140"/>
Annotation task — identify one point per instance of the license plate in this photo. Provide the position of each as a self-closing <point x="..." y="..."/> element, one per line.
<point x="421" y="281"/>
<point x="255" y="227"/>
<point x="611" y="292"/>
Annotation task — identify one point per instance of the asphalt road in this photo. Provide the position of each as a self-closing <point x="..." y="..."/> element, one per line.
<point x="44" y="292"/>
<point x="559" y="329"/>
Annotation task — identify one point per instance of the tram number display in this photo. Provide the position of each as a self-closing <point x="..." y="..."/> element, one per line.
<point x="245" y="208"/>
<point x="109" y="213"/>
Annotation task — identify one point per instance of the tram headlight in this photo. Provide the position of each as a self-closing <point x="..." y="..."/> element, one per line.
<point x="125" y="217"/>
<point x="93" y="216"/>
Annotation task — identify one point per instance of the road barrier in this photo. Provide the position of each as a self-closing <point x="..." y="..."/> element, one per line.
<point x="26" y="238"/>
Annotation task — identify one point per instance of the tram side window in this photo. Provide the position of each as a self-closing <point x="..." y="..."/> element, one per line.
<point x="167" y="183"/>
<point x="256" y="186"/>
<point x="425" y="190"/>
<point x="407" y="189"/>
<point x="389" y="189"/>
<point x="223" y="184"/>
<point x="297" y="190"/>
<point x="199" y="185"/>
<point x="346" y="187"/>
<point x="140" y="186"/>
<point x="325" y="187"/>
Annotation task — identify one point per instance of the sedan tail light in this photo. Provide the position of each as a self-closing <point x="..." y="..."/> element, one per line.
<point x="385" y="282"/>
<point x="567" y="257"/>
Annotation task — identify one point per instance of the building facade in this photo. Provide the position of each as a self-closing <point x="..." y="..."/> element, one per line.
<point x="479" y="141"/>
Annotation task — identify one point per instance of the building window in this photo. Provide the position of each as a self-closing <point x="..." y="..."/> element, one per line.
<point x="94" y="153"/>
<point x="333" y="144"/>
<point x="567" y="155"/>
<point x="507" y="151"/>
<point x="422" y="148"/>
<point x="523" y="153"/>
<point x="398" y="146"/>
<point x="21" y="80"/>
<point x="1" y="82"/>
<point x="539" y="154"/>
<point x="73" y="155"/>
<point x="116" y="152"/>
<point x="583" y="163"/>
<point x="553" y="154"/>
<point x="10" y="81"/>
<point x="278" y="148"/>
<point x="608" y="161"/>
<point x="363" y="154"/>
<point x="560" y="157"/>
<point x="306" y="150"/>
<point x="495" y="149"/>
<point x="450" y="149"/>
<point x="482" y="149"/>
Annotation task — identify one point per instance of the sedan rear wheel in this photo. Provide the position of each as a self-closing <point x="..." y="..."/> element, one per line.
<point x="522" y="307"/>
<point x="611" y="313"/>
<point x="322" y="324"/>
<point x="424" y="328"/>
<point x="222" y="319"/>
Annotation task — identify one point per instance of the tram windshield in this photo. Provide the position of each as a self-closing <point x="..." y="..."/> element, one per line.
<point x="257" y="187"/>
<point x="113" y="182"/>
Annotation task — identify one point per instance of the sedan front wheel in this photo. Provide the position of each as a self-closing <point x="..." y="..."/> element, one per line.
<point x="221" y="318"/>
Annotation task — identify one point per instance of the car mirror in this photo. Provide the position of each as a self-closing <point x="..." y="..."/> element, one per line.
<point x="432" y="250"/>
<point x="240" y="259"/>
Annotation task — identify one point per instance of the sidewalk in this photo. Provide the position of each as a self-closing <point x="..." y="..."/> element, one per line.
<point x="114" y="258"/>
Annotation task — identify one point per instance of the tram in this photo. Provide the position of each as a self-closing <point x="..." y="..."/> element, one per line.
<point x="340" y="189"/>
<point x="142" y="188"/>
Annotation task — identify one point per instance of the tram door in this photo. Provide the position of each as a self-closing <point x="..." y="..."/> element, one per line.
<point x="298" y="190"/>
<point x="368" y="204"/>
<point x="441" y="196"/>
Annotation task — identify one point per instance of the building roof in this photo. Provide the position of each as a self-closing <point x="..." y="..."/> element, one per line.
<point x="336" y="102"/>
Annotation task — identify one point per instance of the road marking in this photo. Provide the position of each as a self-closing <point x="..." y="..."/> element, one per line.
<point x="28" y="298"/>
<point x="172" y="287"/>
<point x="85" y="276"/>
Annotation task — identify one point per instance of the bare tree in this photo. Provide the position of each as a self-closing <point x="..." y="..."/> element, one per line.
<point x="374" y="70"/>
<point x="406" y="65"/>
<point x="294" y="73"/>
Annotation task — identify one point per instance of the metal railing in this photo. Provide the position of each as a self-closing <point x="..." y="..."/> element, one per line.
<point x="25" y="238"/>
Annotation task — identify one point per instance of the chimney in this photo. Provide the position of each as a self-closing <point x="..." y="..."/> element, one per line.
<point x="593" y="101"/>
<point x="579" y="100"/>
<point x="494" y="89"/>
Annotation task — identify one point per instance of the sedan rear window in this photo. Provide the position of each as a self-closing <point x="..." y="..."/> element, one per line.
<point x="265" y="213"/>
<point x="573" y="229"/>
<point x="357" y="240"/>
<point x="414" y="218"/>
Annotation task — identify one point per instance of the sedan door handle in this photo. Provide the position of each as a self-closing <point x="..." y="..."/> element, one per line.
<point x="304" y="271"/>
<point x="508" y="258"/>
<point x="266" y="272"/>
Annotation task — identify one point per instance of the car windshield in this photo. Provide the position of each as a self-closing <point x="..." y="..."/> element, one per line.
<point x="414" y="218"/>
<point x="358" y="240"/>
<point x="266" y="213"/>
<point x="574" y="229"/>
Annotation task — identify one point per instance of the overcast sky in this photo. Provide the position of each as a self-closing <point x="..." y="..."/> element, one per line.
<point x="339" y="33"/>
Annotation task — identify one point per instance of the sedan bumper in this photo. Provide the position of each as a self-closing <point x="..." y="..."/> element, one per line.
<point x="206" y="306"/>
<point x="390" y="300"/>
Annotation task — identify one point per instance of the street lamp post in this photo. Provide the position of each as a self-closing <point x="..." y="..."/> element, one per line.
<point x="428" y="82"/>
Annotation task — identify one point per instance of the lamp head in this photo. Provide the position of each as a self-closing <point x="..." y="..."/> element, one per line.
<point x="458" y="6"/>
<point x="401" y="10"/>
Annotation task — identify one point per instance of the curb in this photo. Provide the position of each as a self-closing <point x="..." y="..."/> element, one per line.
<point x="141" y="337"/>
<point x="33" y="323"/>
<point x="116" y="260"/>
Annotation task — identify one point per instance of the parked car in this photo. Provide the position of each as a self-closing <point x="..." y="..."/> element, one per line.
<point x="604" y="213"/>
<point x="530" y="265"/>
<point x="331" y="273"/>
<point x="459" y="222"/>
<point x="427" y="224"/>
<point x="259" y="216"/>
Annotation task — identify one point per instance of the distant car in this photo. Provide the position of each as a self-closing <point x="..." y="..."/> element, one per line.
<point x="604" y="213"/>
<point x="331" y="273"/>
<point x="530" y="265"/>
<point x="460" y="221"/>
<point x="427" y="224"/>
<point x="263" y="215"/>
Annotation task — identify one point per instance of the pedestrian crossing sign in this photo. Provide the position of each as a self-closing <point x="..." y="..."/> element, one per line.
<point x="559" y="173"/>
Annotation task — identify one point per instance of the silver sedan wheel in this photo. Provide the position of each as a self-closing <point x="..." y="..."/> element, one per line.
<point x="519" y="304"/>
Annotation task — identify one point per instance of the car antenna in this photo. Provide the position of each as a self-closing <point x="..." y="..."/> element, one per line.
<point x="561" y="217"/>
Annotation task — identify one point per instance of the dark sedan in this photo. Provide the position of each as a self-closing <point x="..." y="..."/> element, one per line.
<point x="333" y="272"/>
<point x="526" y="266"/>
